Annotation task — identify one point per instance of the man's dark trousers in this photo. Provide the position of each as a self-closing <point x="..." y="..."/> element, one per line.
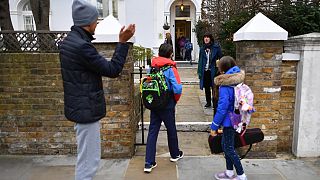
<point x="156" y="117"/>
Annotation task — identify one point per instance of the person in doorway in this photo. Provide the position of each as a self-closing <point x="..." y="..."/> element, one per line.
<point x="182" y="42"/>
<point x="168" y="39"/>
<point x="188" y="49"/>
<point x="167" y="114"/>
<point x="230" y="77"/>
<point x="82" y="69"/>
<point x="208" y="55"/>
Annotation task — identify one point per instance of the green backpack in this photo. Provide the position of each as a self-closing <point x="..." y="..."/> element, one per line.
<point x="154" y="90"/>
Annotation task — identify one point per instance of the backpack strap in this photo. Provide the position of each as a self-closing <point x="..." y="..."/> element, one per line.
<point x="165" y="67"/>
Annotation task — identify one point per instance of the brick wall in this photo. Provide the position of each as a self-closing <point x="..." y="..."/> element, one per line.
<point x="287" y="105"/>
<point x="31" y="108"/>
<point x="262" y="62"/>
<point x="119" y="126"/>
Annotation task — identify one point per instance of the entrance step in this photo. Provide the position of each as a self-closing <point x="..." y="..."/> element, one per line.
<point x="183" y="126"/>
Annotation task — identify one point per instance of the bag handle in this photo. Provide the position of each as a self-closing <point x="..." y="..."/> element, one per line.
<point x="242" y="141"/>
<point x="245" y="154"/>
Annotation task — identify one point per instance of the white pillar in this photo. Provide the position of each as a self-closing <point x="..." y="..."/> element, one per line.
<point x="306" y="134"/>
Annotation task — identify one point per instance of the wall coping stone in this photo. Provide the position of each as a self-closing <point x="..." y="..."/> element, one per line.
<point x="110" y="38"/>
<point x="260" y="27"/>
<point x="306" y="42"/>
<point x="290" y="57"/>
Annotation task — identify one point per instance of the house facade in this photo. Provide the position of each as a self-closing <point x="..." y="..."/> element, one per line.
<point x="149" y="16"/>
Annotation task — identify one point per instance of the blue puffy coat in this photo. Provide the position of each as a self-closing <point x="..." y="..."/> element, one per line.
<point x="226" y="82"/>
<point x="81" y="69"/>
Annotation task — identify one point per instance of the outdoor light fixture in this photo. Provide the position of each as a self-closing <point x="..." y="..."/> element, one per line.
<point x="181" y="6"/>
<point x="166" y="25"/>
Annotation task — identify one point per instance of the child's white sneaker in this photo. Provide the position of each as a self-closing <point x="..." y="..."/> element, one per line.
<point x="223" y="176"/>
<point x="240" y="178"/>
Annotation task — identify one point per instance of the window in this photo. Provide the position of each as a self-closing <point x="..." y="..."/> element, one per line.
<point x="27" y="7"/>
<point x="115" y="8"/>
<point x="100" y="8"/>
<point x="28" y="21"/>
<point x="103" y="8"/>
<point x="184" y="13"/>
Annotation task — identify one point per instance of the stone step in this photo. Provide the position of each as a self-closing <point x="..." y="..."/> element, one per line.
<point x="183" y="126"/>
<point x="189" y="82"/>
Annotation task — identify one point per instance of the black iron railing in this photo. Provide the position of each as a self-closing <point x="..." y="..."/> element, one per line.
<point x="30" y="41"/>
<point x="142" y="56"/>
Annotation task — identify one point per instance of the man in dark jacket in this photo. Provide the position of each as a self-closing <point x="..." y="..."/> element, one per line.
<point x="82" y="69"/>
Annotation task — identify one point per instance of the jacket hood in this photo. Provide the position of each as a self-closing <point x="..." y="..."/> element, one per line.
<point x="232" y="77"/>
<point x="161" y="61"/>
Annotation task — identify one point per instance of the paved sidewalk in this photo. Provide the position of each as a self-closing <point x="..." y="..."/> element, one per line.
<point x="188" y="168"/>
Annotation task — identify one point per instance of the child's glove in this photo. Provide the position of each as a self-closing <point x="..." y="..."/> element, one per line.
<point x="240" y="127"/>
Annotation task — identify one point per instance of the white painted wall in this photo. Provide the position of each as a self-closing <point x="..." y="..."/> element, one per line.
<point x="14" y="14"/>
<point x="306" y="138"/>
<point x="148" y="15"/>
<point x="61" y="15"/>
<point x="141" y="13"/>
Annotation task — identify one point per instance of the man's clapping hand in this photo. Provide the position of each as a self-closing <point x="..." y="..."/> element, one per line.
<point x="126" y="34"/>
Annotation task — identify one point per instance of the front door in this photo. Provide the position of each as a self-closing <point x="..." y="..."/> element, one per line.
<point x="182" y="32"/>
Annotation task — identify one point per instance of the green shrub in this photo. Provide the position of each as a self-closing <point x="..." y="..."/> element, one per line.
<point x="299" y="18"/>
<point x="201" y="28"/>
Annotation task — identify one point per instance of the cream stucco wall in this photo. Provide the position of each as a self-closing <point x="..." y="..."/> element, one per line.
<point x="149" y="17"/>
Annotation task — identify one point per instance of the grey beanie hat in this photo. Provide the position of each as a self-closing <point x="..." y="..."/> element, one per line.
<point x="83" y="13"/>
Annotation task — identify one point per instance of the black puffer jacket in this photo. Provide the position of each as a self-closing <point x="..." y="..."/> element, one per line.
<point x="82" y="69"/>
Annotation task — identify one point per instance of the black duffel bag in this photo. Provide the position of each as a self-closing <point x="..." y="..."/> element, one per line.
<point x="247" y="137"/>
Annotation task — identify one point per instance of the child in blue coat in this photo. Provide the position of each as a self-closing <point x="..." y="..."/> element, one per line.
<point x="231" y="75"/>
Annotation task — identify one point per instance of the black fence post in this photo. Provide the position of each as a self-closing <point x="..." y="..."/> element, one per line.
<point x="141" y="110"/>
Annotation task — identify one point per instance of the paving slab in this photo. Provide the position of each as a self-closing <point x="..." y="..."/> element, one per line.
<point x="191" y="143"/>
<point x="164" y="170"/>
<point x="14" y="167"/>
<point x="112" y="169"/>
<point x="51" y="173"/>
<point x="56" y="167"/>
<point x="190" y="168"/>
<point x="188" y="74"/>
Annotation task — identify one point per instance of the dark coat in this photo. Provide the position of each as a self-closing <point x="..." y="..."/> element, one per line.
<point x="82" y="69"/>
<point x="215" y="54"/>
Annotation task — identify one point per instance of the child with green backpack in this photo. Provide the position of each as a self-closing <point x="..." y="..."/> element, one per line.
<point x="164" y="113"/>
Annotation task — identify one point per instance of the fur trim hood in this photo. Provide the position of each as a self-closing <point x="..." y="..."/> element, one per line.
<point x="230" y="79"/>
